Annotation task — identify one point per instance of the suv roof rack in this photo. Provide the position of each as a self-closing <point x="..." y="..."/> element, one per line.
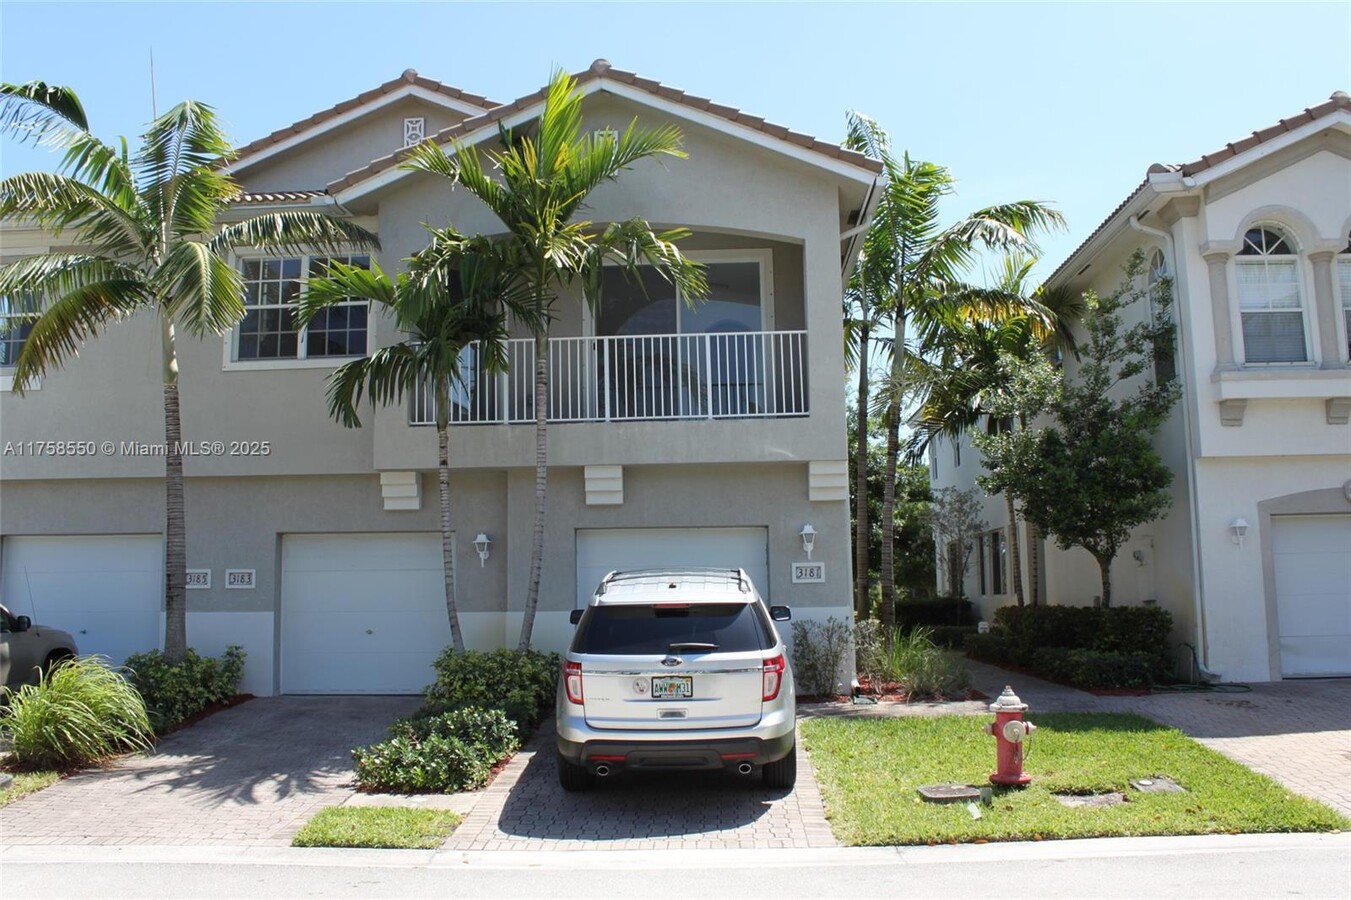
<point x="617" y="577"/>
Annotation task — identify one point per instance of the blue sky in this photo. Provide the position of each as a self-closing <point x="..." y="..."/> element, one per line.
<point x="1061" y="102"/>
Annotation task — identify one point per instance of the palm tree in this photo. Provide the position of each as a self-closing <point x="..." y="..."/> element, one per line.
<point x="147" y="226"/>
<point x="970" y="382"/>
<point x="537" y="187"/>
<point x="454" y="294"/>
<point x="926" y="260"/>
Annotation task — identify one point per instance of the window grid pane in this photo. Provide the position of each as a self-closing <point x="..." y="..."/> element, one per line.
<point x="15" y="325"/>
<point x="272" y="288"/>
<point x="339" y="330"/>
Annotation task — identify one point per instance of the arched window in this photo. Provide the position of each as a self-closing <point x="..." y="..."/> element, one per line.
<point x="1269" y="301"/>
<point x="1165" y="365"/>
<point x="1344" y="285"/>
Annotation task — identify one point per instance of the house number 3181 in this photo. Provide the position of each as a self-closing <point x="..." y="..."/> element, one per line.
<point x="809" y="573"/>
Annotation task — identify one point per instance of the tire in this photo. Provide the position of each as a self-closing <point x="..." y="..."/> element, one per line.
<point x="782" y="773"/>
<point x="56" y="658"/>
<point x="572" y="777"/>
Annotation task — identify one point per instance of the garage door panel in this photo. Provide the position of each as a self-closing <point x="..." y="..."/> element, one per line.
<point x="1311" y="557"/>
<point x="106" y="590"/>
<point x="361" y="613"/>
<point x="600" y="551"/>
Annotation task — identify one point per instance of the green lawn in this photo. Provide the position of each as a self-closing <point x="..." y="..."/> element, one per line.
<point x="384" y="827"/>
<point x="870" y="768"/>
<point x="26" y="783"/>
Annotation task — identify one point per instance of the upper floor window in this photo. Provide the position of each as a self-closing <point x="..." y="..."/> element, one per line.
<point x="933" y="462"/>
<point x="16" y="321"/>
<point x="957" y="452"/>
<point x="272" y="288"/>
<point x="1165" y="364"/>
<point x="1344" y="286"/>
<point x="1269" y="301"/>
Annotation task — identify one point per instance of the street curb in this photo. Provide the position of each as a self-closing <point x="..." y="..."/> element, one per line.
<point x="676" y="859"/>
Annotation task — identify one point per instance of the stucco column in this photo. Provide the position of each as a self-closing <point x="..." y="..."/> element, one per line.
<point x="1217" y="262"/>
<point x="1325" y="304"/>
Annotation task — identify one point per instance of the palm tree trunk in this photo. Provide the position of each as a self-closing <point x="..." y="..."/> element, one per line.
<point x="889" y="483"/>
<point x="541" y="484"/>
<point x="1034" y="563"/>
<point x="1015" y="561"/>
<point x="861" y="561"/>
<point x="175" y="525"/>
<point x="443" y="478"/>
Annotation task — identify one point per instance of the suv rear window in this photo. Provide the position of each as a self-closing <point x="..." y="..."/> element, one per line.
<point x="733" y="627"/>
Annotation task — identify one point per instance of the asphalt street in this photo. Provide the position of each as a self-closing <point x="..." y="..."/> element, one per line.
<point x="1239" y="866"/>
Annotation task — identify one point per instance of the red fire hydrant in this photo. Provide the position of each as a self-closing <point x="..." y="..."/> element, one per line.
<point x="1010" y="732"/>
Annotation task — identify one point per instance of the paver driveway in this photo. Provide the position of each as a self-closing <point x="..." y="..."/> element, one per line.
<point x="248" y="776"/>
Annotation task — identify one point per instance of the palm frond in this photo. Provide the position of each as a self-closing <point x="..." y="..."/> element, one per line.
<point x="199" y="288"/>
<point x="38" y="112"/>
<point x="294" y="231"/>
<point x="71" y="319"/>
<point x="57" y="202"/>
<point x="342" y="283"/>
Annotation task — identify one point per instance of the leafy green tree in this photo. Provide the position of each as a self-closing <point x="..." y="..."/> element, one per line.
<point x="1091" y="475"/>
<point x="146" y="226"/>
<point x="537" y="185"/>
<point x="953" y="518"/>
<point x="455" y="293"/>
<point x="924" y="262"/>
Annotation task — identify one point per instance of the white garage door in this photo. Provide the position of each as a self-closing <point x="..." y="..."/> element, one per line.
<point x="1312" y="560"/>
<point x="601" y="551"/>
<point x="361" y="613"/>
<point x="107" y="591"/>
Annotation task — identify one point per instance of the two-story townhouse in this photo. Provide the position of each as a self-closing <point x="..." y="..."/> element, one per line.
<point x="711" y="435"/>
<point x="1254" y="557"/>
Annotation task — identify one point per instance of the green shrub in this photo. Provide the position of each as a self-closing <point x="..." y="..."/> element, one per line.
<point x="1096" y="669"/>
<point x="520" y="684"/>
<point x="1135" y="629"/>
<point x="81" y="712"/>
<point x="489" y="729"/>
<point x="952" y="637"/>
<point x="870" y="652"/>
<point x="1119" y="629"/>
<point x="174" y="693"/>
<point x="934" y="612"/>
<point x="992" y="647"/>
<point x="921" y="669"/>
<point x="449" y="751"/>
<point x="819" y="649"/>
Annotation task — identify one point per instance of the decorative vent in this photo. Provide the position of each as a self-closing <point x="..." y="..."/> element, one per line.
<point x="414" y="131"/>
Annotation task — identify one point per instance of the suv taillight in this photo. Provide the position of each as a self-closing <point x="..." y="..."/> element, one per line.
<point x="773" y="677"/>
<point x="572" y="681"/>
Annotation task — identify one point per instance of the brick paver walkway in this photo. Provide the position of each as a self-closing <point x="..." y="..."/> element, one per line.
<point x="248" y="776"/>
<point x="1298" y="731"/>
<point x="525" y="809"/>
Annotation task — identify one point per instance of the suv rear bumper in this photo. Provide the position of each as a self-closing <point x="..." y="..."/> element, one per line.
<point x="696" y="753"/>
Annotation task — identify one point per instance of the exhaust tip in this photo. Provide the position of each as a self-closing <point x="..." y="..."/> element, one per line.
<point x="744" y="769"/>
<point x="602" y="770"/>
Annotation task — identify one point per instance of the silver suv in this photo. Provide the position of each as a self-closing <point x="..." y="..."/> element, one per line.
<point x="676" y="669"/>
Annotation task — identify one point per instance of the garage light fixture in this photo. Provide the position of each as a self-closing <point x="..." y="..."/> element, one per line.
<point x="481" y="544"/>
<point x="1238" y="528"/>
<point x="808" y="539"/>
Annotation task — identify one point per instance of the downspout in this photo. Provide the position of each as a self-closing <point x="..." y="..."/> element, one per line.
<point x="1198" y="574"/>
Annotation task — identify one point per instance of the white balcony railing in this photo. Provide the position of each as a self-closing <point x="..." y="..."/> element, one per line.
<point x="644" y="377"/>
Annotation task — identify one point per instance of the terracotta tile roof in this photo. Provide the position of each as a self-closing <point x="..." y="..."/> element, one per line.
<point x="602" y="69"/>
<point x="279" y="197"/>
<point x="409" y="76"/>
<point x="1338" y="101"/>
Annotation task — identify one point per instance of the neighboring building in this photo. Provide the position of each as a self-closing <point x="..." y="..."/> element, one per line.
<point x="1254" y="558"/>
<point x="704" y="436"/>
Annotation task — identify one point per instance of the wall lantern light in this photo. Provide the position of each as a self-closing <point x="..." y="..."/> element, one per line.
<point x="1238" y="528"/>
<point x="808" y="539"/>
<point x="481" y="544"/>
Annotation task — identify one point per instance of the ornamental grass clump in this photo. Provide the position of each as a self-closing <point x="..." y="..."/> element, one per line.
<point x="921" y="669"/>
<point x="82" y="712"/>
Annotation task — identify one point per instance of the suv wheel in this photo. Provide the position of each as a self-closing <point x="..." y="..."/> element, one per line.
<point x="782" y="773"/>
<point x="572" y="777"/>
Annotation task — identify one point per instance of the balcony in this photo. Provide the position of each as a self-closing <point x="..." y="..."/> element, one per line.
<point x="635" y="378"/>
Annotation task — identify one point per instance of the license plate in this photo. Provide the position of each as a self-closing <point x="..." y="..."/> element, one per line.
<point x="671" y="687"/>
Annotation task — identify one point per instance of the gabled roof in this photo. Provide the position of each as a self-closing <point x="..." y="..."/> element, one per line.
<point x="407" y="84"/>
<point x="602" y="71"/>
<point x="1339" y="101"/>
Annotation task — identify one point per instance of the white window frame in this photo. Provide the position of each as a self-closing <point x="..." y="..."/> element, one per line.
<point x="7" y="372"/>
<point x="1297" y="259"/>
<point x="764" y="257"/>
<point x="231" y="361"/>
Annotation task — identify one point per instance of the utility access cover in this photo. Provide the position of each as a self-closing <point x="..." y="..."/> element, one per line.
<point x="1158" y="785"/>
<point x="949" y="793"/>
